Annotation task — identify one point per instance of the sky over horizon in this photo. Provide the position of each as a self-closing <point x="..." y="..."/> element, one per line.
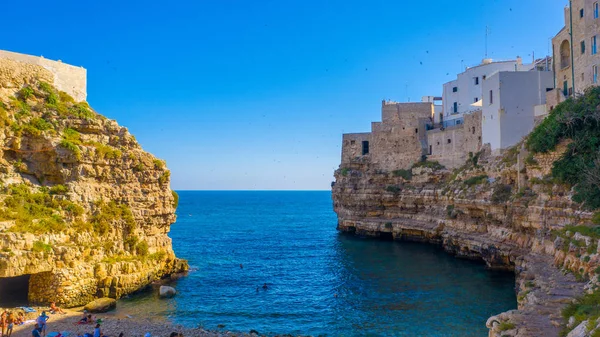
<point x="255" y="95"/>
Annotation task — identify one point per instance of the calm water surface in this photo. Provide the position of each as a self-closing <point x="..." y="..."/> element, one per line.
<point x="288" y="240"/>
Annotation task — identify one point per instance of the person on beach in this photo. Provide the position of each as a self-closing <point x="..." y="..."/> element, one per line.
<point x="3" y="324"/>
<point x="87" y="319"/>
<point x="20" y="318"/>
<point x="97" y="331"/>
<point x="41" y="321"/>
<point x="10" y="322"/>
<point x="56" y="310"/>
<point x="36" y="331"/>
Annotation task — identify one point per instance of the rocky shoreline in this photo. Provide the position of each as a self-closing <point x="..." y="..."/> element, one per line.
<point x="517" y="233"/>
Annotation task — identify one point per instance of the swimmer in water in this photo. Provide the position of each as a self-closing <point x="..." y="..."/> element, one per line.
<point x="265" y="286"/>
<point x="241" y="266"/>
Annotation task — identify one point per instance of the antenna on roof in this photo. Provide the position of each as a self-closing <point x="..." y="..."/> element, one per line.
<point x="487" y="32"/>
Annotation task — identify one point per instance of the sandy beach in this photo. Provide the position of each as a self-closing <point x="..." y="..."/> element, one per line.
<point x="113" y="325"/>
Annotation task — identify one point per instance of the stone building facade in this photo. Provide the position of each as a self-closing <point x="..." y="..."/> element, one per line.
<point x="397" y="142"/>
<point x="67" y="78"/>
<point x="451" y="146"/>
<point x="576" y="57"/>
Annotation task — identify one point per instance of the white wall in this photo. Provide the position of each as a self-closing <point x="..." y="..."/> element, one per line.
<point x="490" y="118"/>
<point x="468" y="90"/>
<point x="511" y="116"/>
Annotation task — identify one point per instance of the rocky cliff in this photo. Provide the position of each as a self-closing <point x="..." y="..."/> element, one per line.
<point x="84" y="211"/>
<point x="506" y="211"/>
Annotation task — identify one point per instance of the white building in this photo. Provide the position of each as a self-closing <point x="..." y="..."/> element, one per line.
<point x="511" y="100"/>
<point x="460" y="95"/>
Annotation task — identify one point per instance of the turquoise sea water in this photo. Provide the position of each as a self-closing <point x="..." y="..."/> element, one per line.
<point x="288" y="240"/>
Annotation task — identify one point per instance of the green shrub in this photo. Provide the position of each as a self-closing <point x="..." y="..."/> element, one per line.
<point x="404" y="174"/>
<point x="81" y="110"/>
<point x="577" y="119"/>
<point x="41" y="247"/>
<point x="159" y="164"/>
<point x="158" y="256"/>
<point x="52" y="98"/>
<point x="501" y="193"/>
<point x="450" y="212"/>
<point x="476" y="180"/>
<point x="25" y="93"/>
<point x="344" y="171"/>
<point x="142" y="248"/>
<point x="393" y="189"/>
<point x="45" y="87"/>
<point x="59" y="189"/>
<point x="164" y="178"/>
<point x="69" y="145"/>
<point x="106" y="151"/>
<point x="33" y="212"/>
<point x="388" y="225"/>
<point x="175" y="199"/>
<point x="584" y="307"/>
<point x="504" y="326"/>
<point x="430" y="164"/>
<point x="530" y="160"/>
<point x="110" y="214"/>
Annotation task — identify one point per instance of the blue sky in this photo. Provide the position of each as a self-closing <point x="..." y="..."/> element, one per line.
<point x="256" y="94"/>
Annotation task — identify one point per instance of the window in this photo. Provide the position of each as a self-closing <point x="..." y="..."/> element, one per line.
<point x="365" y="147"/>
<point x="430" y="149"/>
<point x="473" y="130"/>
<point x="595" y="74"/>
<point x="352" y="142"/>
<point x="581" y="13"/>
<point x="455" y="107"/>
<point x="595" y="10"/>
<point x="449" y="140"/>
<point x="594" y="45"/>
<point x="484" y="77"/>
<point x="582" y="47"/>
<point x="582" y="77"/>
<point x="416" y="130"/>
<point x="476" y="99"/>
<point x="454" y="89"/>
<point x="491" y="97"/>
<point x="476" y="80"/>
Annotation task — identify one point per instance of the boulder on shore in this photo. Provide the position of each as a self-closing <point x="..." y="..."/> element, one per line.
<point x="103" y="304"/>
<point x="166" y="292"/>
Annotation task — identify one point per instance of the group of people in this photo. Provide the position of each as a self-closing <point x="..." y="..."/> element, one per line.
<point x="8" y="320"/>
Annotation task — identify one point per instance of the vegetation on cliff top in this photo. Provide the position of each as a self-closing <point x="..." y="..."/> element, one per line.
<point x="577" y="120"/>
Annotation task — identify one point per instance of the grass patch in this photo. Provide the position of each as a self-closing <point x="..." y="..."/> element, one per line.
<point x="109" y="214"/>
<point x="404" y="174"/>
<point x="586" y="307"/>
<point x="164" y="178"/>
<point x="476" y="180"/>
<point x="505" y="326"/>
<point x="40" y="247"/>
<point x="430" y="164"/>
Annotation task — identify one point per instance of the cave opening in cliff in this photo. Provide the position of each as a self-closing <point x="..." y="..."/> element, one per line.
<point x="386" y="236"/>
<point x="14" y="290"/>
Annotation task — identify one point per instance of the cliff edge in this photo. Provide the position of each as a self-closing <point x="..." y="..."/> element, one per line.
<point x="84" y="211"/>
<point x="529" y="210"/>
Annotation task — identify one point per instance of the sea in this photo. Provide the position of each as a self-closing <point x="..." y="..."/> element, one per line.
<point x="319" y="281"/>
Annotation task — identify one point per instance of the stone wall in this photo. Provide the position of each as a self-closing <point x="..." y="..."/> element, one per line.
<point x="352" y="146"/>
<point x="399" y="140"/>
<point x="451" y="146"/>
<point x="65" y="77"/>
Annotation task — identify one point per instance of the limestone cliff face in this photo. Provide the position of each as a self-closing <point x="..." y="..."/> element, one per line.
<point x="500" y="210"/>
<point x="83" y="209"/>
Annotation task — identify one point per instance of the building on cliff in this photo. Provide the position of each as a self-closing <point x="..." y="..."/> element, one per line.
<point x="461" y="95"/>
<point x="511" y="103"/>
<point x="67" y="78"/>
<point x="398" y="141"/>
<point x="575" y="51"/>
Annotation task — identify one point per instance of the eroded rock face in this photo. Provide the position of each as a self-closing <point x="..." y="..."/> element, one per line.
<point x="83" y="209"/>
<point x="486" y="211"/>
